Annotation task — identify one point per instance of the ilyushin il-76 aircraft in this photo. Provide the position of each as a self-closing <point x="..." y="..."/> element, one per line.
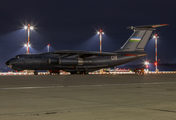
<point x="79" y="62"/>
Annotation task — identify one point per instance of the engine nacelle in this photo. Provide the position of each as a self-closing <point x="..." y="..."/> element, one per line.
<point x="68" y="61"/>
<point x="53" y="61"/>
<point x="65" y="61"/>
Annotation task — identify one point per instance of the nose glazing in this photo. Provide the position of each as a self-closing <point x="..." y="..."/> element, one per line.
<point x="7" y="63"/>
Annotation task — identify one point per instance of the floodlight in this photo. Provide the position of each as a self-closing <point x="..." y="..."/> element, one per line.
<point x="146" y="63"/>
<point x="31" y="28"/>
<point x="154" y="36"/>
<point x="25" y="27"/>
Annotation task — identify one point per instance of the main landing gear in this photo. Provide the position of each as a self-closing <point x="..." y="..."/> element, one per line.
<point x="35" y="73"/>
<point x="56" y="72"/>
<point x="79" y="72"/>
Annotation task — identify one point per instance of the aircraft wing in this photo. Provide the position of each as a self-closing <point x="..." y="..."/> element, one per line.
<point x="83" y="54"/>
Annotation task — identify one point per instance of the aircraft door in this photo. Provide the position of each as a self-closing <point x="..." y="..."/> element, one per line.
<point x="80" y="61"/>
<point x="36" y="63"/>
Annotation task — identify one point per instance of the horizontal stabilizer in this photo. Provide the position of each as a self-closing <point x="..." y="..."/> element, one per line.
<point x="147" y="26"/>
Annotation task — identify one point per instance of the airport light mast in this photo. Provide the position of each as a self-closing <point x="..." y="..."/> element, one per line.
<point x="146" y="66"/>
<point x="100" y="33"/>
<point x="27" y="46"/>
<point x="48" y="47"/>
<point x="156" y="61"/>
<point x="28" y="28"/>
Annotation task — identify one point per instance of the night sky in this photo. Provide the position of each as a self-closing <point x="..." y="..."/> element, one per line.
<point x="72" y="25"/>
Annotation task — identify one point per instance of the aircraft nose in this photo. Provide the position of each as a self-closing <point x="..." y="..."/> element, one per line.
<point x="7" y="63"/>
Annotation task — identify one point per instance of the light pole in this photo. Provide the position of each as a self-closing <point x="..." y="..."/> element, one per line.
<point x="28" y="28"/>
<point x="27" y="46"/>
<point x="100" y="33"/>
<point x="146" y="65"/>
<point x="156" y="61"/>
<point x="48" y="47"/>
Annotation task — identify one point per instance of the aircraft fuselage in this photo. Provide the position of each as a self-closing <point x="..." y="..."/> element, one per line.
<point x="49" y="61"/>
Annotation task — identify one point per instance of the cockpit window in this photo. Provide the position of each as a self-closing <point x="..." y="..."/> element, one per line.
<point x="17" y="56"/>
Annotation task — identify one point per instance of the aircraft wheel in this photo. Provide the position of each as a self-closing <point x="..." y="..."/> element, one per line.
<point x="86" y="72"/>
<point x="72" y="73"/>
<point x="35" y="73"/>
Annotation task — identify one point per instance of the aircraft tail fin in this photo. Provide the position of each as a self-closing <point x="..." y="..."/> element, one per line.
<point x="139" y="38"/>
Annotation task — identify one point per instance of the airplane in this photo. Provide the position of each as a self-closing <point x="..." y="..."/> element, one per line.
<point x="79" y="62"/>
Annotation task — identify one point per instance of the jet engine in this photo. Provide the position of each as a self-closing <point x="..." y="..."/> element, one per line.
<point x="65" y="61"/>
<point x="53" y="61"/>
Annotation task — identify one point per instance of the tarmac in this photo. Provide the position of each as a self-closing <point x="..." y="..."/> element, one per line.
<point x="88" y="97"/>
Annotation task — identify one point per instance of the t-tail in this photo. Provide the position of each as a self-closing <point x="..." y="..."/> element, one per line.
<point x="139" y="38"/>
